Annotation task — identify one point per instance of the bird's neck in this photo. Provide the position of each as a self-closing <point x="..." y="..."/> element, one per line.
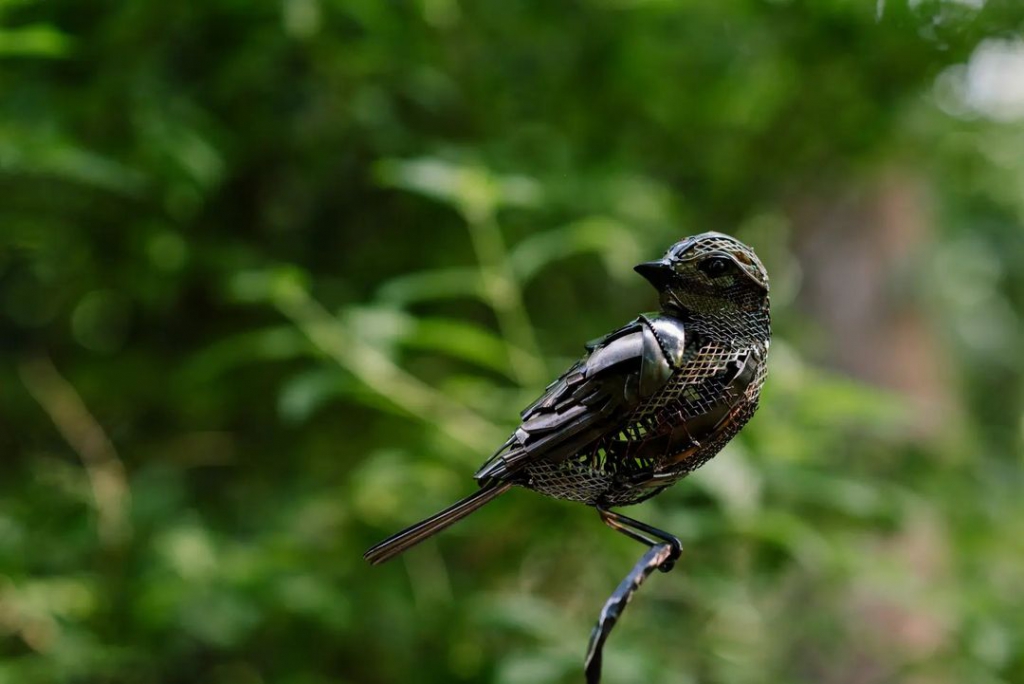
<point x="738" y="328"/>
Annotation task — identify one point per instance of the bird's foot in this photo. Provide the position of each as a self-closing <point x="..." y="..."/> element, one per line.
<point x="675" y="550"/>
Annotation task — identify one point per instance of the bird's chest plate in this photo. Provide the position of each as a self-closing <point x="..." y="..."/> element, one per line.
<point x="699" y="409"/>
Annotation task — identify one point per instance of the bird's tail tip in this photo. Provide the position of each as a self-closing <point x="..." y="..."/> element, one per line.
<point x="411" y="536"/>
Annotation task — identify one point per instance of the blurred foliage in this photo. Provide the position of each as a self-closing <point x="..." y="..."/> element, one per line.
<point x="275" y="277"/>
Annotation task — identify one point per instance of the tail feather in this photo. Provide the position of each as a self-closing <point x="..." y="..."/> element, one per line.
<point x="411" y="536"/>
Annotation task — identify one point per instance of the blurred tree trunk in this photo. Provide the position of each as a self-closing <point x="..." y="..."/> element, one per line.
<point x="858" y="249"/>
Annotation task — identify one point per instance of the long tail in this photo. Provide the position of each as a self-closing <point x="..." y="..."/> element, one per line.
<point x="411" y="536"/>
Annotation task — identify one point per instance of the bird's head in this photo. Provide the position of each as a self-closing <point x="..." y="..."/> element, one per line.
<point x="708" y="275"/>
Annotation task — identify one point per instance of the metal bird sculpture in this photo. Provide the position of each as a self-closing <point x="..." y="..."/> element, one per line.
<point x="644" y="407"/>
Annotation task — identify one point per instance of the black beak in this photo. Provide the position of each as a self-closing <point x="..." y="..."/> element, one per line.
<point x="659" y="272"/>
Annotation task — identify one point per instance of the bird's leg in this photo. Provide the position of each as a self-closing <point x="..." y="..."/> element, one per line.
<point x="643" y="533"/>
<point x="665" y="550"/>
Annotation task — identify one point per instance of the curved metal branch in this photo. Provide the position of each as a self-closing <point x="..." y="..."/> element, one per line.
<point x="655" y="557"/>
<point x="661" y="556"/>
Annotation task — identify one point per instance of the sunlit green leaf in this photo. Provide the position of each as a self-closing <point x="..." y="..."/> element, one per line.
<point x="472" y="189"/>
<point x="432" y="285"/>
<point x="40" y="152"/>
<point x="271" y="344"/>
<point x="265" y="285"/>
<point x="301" y="396"/>
<point x="387" y="328"/>
<point x="462" y="340"/>
<point x="613" y="242"/>
<point x="37" y="40"/>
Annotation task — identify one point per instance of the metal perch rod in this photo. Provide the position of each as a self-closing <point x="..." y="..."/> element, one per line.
<point x="662" y="556"/>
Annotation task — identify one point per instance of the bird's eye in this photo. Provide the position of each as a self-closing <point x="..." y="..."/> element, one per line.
<point x="715" y="266"/>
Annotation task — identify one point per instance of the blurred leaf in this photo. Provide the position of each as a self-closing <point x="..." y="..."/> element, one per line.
<point x="303" y="394"/>
<point x="36" y="40"/>
<point x="387" y="328"/>
<point x="530" y="615"/>
<point x="41" y="153"/>
<point x="377" y="324"/>
<point x="733" y="482"/>
<point x="543" y="666"/>
<point x="270" y="344"/>
<point x="459" y="339"/>
<point x="797" y="536"/>
<point x="309" y="594"/>
<point x="264" y="286"/>
<point x="220" y="619"/>
<point x="473" y="190"/>
<point x="386" y="480"/>
<point x="100" y="320"/>
<point x="174" y="138"/>
<point x="618" y="247"/>
<point x="431" y="285"/>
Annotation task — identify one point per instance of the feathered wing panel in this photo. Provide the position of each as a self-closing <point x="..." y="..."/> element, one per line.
<point x="588" y="401"/>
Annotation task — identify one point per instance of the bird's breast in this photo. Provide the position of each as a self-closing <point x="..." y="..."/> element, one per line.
<point x="701" y="408"/>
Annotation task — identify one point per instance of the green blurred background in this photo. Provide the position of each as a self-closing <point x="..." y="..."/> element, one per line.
<point x="276" y="276"/>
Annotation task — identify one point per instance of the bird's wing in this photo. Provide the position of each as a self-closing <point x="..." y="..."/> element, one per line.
<point x="593" y="397"/>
